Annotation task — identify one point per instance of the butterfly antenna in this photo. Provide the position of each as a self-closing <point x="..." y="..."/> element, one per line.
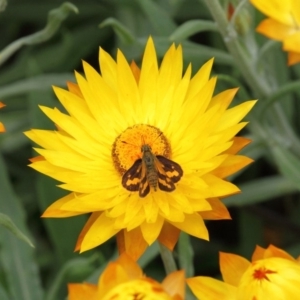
<point x="129" y="143"/>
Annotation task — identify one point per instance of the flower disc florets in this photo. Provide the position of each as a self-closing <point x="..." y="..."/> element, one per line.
<point x="127" y="146"/>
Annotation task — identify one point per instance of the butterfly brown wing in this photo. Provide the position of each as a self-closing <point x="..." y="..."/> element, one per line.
<point x="135" y="179"/>
<point x="144" y="187"/>
<point x="169" y="172"/>
<point x="132" y="177"/>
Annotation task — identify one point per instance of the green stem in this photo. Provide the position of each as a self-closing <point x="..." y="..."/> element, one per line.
<point x="230" y="38"/>
<point x="251" y="75"/>
<point x="168" y="259"/>
<point x="282" y="91"/>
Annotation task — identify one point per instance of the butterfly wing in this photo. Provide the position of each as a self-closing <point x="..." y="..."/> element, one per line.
<point x="132" y="177"/>
<point x="144" y="187"/>
<point x="135" y="179"/>
<point x="169" y="172"/>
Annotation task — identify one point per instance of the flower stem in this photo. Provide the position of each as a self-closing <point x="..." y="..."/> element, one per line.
<point x="168" y="259"/>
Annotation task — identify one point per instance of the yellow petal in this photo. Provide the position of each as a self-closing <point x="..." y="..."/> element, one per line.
<point x="233" y="267"/>
<point x="199" y="79"/>
<point x="292" y="42"/>
<point x="78" y="291"/>
<point x="224" y="98"/>
<point x="174" y="284"/>
<point x="293" y="58"/>
<point x="193" y="225"/>
<point x="108" y="69"/>
<point x="135" y="71"/>
<point x="218" y="211"/>
<point x="206" y="288"/>
<point x="238" y="144"/>
<point x="2" y="128"/>
<point x="219" y="187"/>
<point x="276" y="9"/>
<point x="258" y="253"/>
<point x="100" y="231"/>
<point x="274" y="29"/>
<point x="151" y="231"/>
<point x="94" y="216"/>
<point x="97" y="201"/>
<point x="234" y="115"/>
<point x="113" y="275"/>
<point x="273" y="251"/>
<point x="295" y="11"/>
<point x="127" y="92"/>
<point x="169" y="236"/>
<point x="150" y="208"/>
<point x="231" y="165"/>
<point x="74" y="89"/>
<point x="132" y="242"/>
<point x="55" y="209"/>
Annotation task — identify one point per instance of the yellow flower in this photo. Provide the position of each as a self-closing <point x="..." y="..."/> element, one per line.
<point x="124" y="279"/>
<point x="272" y="274"/>
<point x="283" y="24"/>
<point x="146" y="151"/>
<point x="2" y="128"/>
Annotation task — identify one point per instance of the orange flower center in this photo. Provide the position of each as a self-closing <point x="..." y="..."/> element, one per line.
<point x="262" y="273"/>
<point x="140" y="289"/>
<point x="127" y="146"/>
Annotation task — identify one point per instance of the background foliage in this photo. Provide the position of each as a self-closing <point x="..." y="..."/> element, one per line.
<point x="34" y="57"/>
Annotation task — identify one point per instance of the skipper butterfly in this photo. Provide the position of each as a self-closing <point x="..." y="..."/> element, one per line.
<point x="151" y="171"/>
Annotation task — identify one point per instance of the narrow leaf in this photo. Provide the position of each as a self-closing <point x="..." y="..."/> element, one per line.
<point x="9" y="224"/>
<point x="288" y="164"/>
<point x="55" y="18"/>
<point x="18" y="262"/>
<point x="159" y="19"/>
<point x="121" y="30"/>
<point x="3" y="293"/>
<point x="191" y="27"/>
<point x="40" y="82"/>
<point x="261" y="190"/>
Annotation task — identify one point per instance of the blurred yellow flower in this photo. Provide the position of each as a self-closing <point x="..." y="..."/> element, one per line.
<point x="272" y="274"/>
<point x="145" y="151"/>
<point x="2" y="128"/>
<point x="124" y="279"/>
<point x="283" y="24"/>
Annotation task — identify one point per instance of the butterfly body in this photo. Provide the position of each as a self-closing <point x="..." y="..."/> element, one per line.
<point x="151" y="171"/>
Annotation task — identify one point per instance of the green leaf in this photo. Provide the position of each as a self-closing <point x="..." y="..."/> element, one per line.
<point x="288" y="164"/>
<point x="121" y="30"/>
<point x="3" y="4"/>
<point x="55" y="18"/>
<point x="260" y="190"/>
<point x="17" y="258"/>
<point x="10" y="225"/>
<point x="3" y="294"/>
<point x="191" y="27"/>
<point x="185" y="254"/>
<point x="159" y="19"/>
<point x="41" y="82"/>
<point x="75" y="269"/>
